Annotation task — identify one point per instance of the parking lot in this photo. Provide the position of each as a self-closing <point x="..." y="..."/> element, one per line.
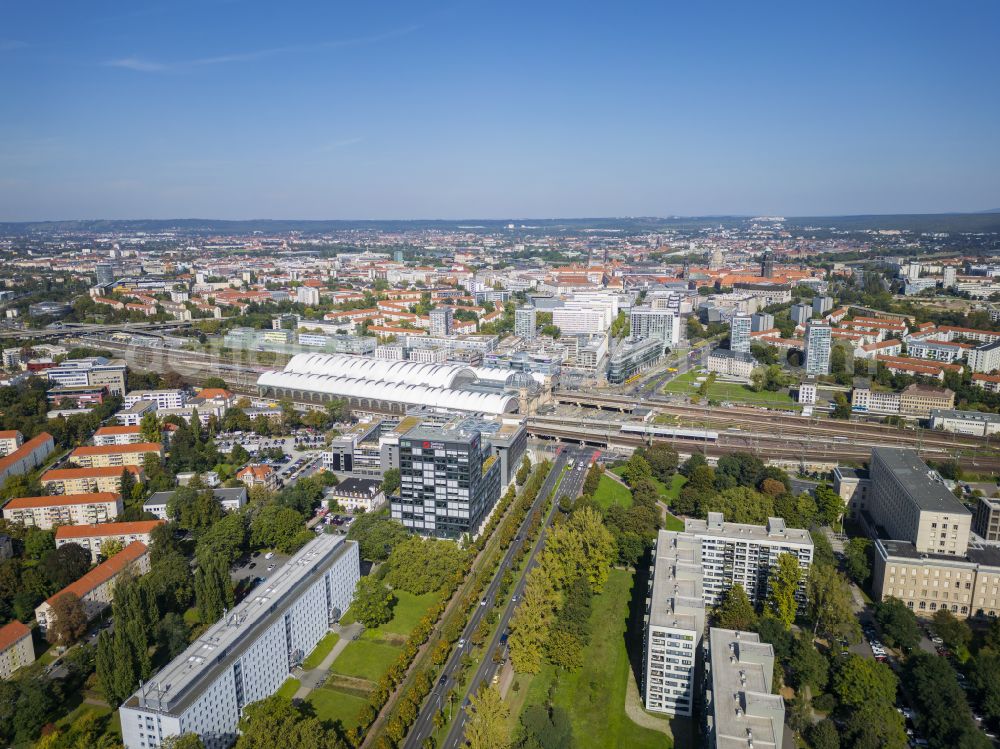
<point x="258" y="565"/>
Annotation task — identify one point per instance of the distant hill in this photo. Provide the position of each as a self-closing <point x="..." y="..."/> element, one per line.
<point x="986" y="221"/>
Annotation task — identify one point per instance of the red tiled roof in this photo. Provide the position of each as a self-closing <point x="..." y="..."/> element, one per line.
<point x="61" y="474"/>
<point x="106" y="529"/>
<point x="33" y="444"/>
<point x="9" y="434"/>
<point x="103" y="572"/>
<point x="60" y="500"/>
<point x="109" y="430"/>
<point x="11" y="633"/>
<point x="137" y="447"/>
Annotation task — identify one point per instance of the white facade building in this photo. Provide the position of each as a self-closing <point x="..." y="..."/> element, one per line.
<point x="571" y="321"/>
<point x="818" y="343"/>
<point x="246" y="656"/>
<point x="162" y="398"/>
<point x="307" y="295"/>
<point x="739" y="334"/>
<point x="662" y="324"/>
<point x="525" y="323"/>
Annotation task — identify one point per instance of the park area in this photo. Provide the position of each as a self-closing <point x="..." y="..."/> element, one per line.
<point x="611" y="492"/>
<point x="594" y="698"/>
<point x="687" y="384"/>
<point x="362" y="662"/>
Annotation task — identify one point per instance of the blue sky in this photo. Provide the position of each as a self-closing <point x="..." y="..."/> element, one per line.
<point x="240" y="109"/>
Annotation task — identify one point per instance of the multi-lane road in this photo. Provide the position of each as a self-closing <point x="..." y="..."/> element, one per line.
<point x="571" y="465"/>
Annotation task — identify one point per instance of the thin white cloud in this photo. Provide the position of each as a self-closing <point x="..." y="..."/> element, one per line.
<point x="152" y="66"/>
<point x="137" y="64"/>
<point x="9" y="45"/>
<point x="344" y="143"/>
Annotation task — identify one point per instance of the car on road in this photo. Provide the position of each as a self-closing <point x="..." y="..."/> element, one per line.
<point x="269" y="555"/>
<point x="270" y="567"/>
<point x="461" y="642"/>
<point x="251" y="565"/>
<point x="443" y="680"/>
<point x="482" y="602"/>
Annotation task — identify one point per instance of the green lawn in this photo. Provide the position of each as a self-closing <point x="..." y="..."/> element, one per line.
<point x="365" y="659"/>
<point x="673" y="523"/>
<point x="594" y="696"/>
<point x="289" y="688"/>
<point x="686" y="384"/>
<point x="409" y="610"/>
<point x="322" y="649"/>
<point x="610" y="492"/>
<point x="671" y="492"/>
<point x="334" y="705"/>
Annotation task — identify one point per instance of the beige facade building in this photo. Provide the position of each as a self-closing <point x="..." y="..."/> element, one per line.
<point x="854" y="487"/>
<point x="910" y="502"/>
<point x="96" y="588"/>
<point x="917" y="401"/>
<point x="105" y="456"/>
<point x="87" y="480"/>
<point x="71" y="509"/>
<point x="16" y="648"/>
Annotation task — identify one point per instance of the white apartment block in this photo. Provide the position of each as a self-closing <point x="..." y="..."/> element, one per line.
<point x="985" y="358"/>
<point x="675" y="620"/>
<point x="118" y="435"/>
<point x="739" y="334"/>
<point x="71" y="509"/>
<point x="661" y="324"/>
<point x="10" y="440"/>
<point x="571" y="321"/>
<point x="246" y="656"/>
<point x="308" y="295"/>
<point x="16" y="649"/>
<point x="741" y="712"/>
<point x="162" y="398"/>
<point x="942" y="351"/>
<point x="692" y="569"/>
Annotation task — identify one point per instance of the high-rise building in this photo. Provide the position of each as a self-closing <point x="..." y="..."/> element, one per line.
<point x="449" y="482"/>
<point x="739" y="334"/>
<point x="398" y="256"/>
<point x="822" y="304"/>
<point x="247" y="655"/>
<point x="308" y="295"/>
<point x="691" y="570"/>
<point x="105" y="273"/>
<point x="950" y="276"/>
<point x="761" y="321"/>
<point x="767" y="264"/>
<point x="662" y="324"/>
<point x="526" y="323"/>
<point x="441" y="320"/>
<point x="818" y="344"/>
<point x="801" y="313"/>
<point x="741" y="710"/>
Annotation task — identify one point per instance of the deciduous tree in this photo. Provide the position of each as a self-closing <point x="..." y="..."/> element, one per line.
<point x="783" y="582"/>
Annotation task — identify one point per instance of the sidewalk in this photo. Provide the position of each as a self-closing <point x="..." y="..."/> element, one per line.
<point x="315" y="677"/>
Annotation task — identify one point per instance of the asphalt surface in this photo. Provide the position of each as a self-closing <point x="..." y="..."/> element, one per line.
<point x="572" y="484"/>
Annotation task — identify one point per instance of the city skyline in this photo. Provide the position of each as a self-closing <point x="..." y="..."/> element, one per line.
<point x="242" y="110"/>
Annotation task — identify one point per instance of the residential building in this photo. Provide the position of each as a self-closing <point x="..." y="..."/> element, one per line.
<point x="105" y="274"/>
<point x="818" y="342"/>
<point x="132" y="416"/>
<point x="429" y="355"/>
<point x="442" y="321"/>
<point x="821" y="305"/>
<point x="663" y="325"/>
<point x="807" y="393"/>
<point x="674" y="624"/>
<point x="911" y="503"/>
<point x="92" y="536"/>
<point x="854" y="487"/>
<point x="101" y="456"/>
<point x="944" y="351"/>
<point x="96" y="588"/>
<point x="526" y="323"/>
<point x="974" y="423"/>
<point x="743" y="553"/>
<point x="571" y="321"/>
<point x="449" y="481"/>
<point x="10" y="440"/>
<point x="259" y="475"/>
<point x="307" y="295"/>
<point x="118" y="435"/>
<point x="71" y="509"/>
<point x="230" y="500"/>
<point x="986" y="519"/>
<point x="729" y="363"/>
<point x="985" y="358"/>
<point x="87" y="480"/>
<point x="26" y="458"/>
<point x="741" y="710"/>
<point x="917" y="401"/>
<point x="16" y="648"/>
<point x="761" y="321"/>
<point x="93" y="371"/>
<point x="801" y="313"/>
<point x="162" y="398"/>
<point x="739" y="334"/>
<point x="246" y="656"/>
<point x="989" y="383"/>
<point x="353" y="494"/>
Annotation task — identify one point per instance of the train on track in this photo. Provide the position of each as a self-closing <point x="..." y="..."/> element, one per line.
<point x="667" y="432"/>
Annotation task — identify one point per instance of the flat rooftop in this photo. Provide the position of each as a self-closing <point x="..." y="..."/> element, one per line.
<point x="677" y="598"/>
<point x="180" y="681"/>
<point x="923" y="486"/>
<point x="775" y="530"/>
<point x="743" y="706"/>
